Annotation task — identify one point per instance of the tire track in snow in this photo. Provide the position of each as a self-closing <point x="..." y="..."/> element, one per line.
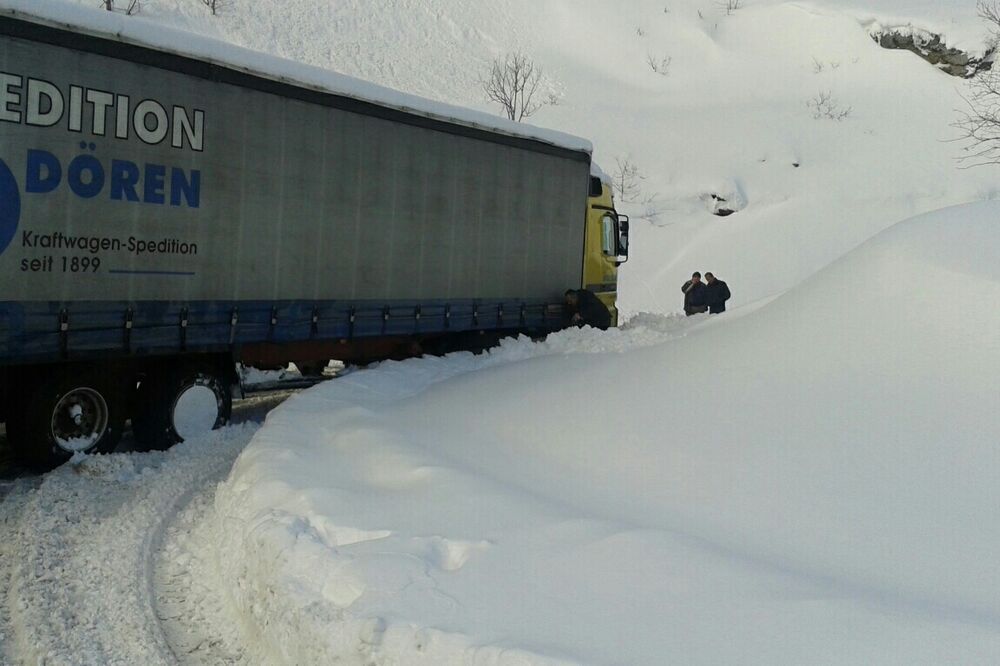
<point x="109" y="559"/>
<point x="82" y="588"/>
<point x="183" y="580"/>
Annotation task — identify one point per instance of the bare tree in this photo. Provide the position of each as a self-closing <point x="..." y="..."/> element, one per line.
<point x="979" y="122"/>
<point x="214" y="5"/>
<point x="627" y="180"/>
<point x="989" y="11"/>
<point x="513" y="82"/>
<point x="627" y="184"/>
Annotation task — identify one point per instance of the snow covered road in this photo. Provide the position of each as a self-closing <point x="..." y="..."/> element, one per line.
<point x="86" y="557"/>
<point x="94" y="556"/>
<point x="116" y="559"/>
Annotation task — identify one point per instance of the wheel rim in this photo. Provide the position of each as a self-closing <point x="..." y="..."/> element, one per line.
<point x="79" y="419"/>
<point x="196" y="411"/>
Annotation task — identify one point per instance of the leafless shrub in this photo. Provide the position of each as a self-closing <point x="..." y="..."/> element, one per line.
<point x="651" y="211"/>
<point x="819" y="66"/>
<point x="129" y="7"/>
<point x="824" y="106"/>
<point x="627" y="180"/>
<point x="989" y="11"/>
<point x="627" y="183"/>
<point x="513" y="83"/>
<point x="979" y="121"/>
<point x="730" y="6"/>
<point x="660" y="66"/>
<point x="214" y="5"/>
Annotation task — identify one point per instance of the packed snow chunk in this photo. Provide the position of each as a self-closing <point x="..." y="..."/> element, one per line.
<point x="812" y="479"/>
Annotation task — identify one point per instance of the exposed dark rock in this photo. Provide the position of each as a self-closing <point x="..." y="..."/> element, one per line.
<point x="933" y="57"/>
<point x="930" y="47"/>
<point x="721" y="206"/>
<point x="956" y="57"/>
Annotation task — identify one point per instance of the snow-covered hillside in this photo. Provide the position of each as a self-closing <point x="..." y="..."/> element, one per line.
<point x="812" y="482"/>
<point x="808" y="479"/>
<point x="729" y="117"/>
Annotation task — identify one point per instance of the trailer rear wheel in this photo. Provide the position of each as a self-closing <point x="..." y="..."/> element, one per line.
<point x="71" y="411"/>
<point x="175" y="405"/>
<point x="311" y="368"/>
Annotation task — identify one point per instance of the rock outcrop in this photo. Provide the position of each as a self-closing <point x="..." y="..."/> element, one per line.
<point x="932" y="48"/>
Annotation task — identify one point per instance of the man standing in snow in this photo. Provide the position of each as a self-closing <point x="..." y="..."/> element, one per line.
<point x="716" y="294"/>
<point x="694" y="295"/>
<point x="584" y="308"/>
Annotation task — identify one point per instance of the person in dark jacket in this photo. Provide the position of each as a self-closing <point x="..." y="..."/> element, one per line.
<point x="584" y="308"/>
<point x="694" y="295"/>
<point x="716" y="294"/>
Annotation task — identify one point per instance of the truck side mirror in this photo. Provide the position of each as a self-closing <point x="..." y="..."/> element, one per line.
<point x="623" y="224"/>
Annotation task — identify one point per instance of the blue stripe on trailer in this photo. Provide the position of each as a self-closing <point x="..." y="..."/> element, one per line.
<point x="128" y="272"/>
<point x="37" y="331"/>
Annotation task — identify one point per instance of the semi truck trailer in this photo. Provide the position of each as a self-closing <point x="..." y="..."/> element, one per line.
<point x="171" y="206"/>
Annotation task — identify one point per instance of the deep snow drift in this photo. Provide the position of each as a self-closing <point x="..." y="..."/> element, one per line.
<point x="810" y="482"/>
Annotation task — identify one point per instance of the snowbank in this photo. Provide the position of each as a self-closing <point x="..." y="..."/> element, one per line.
<point x="811" y="482"/>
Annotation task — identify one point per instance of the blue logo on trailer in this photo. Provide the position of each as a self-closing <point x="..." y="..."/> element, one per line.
<point x="10" y="206"/>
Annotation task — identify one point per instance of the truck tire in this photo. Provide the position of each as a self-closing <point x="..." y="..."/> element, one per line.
<point x="173" y="405"/>
<point x="69" y="411"/>
<point x="311" y="369"/>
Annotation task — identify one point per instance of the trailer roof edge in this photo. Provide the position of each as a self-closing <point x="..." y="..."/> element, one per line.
<point x="246" y="64"/>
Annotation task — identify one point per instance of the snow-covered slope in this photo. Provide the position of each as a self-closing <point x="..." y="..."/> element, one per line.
<point x="811" y="482"/>
<point x="809" y="479"/>
<point x="730" y="117"/>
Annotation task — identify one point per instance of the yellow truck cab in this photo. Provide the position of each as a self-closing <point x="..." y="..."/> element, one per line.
<point x="606" y="243"/>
